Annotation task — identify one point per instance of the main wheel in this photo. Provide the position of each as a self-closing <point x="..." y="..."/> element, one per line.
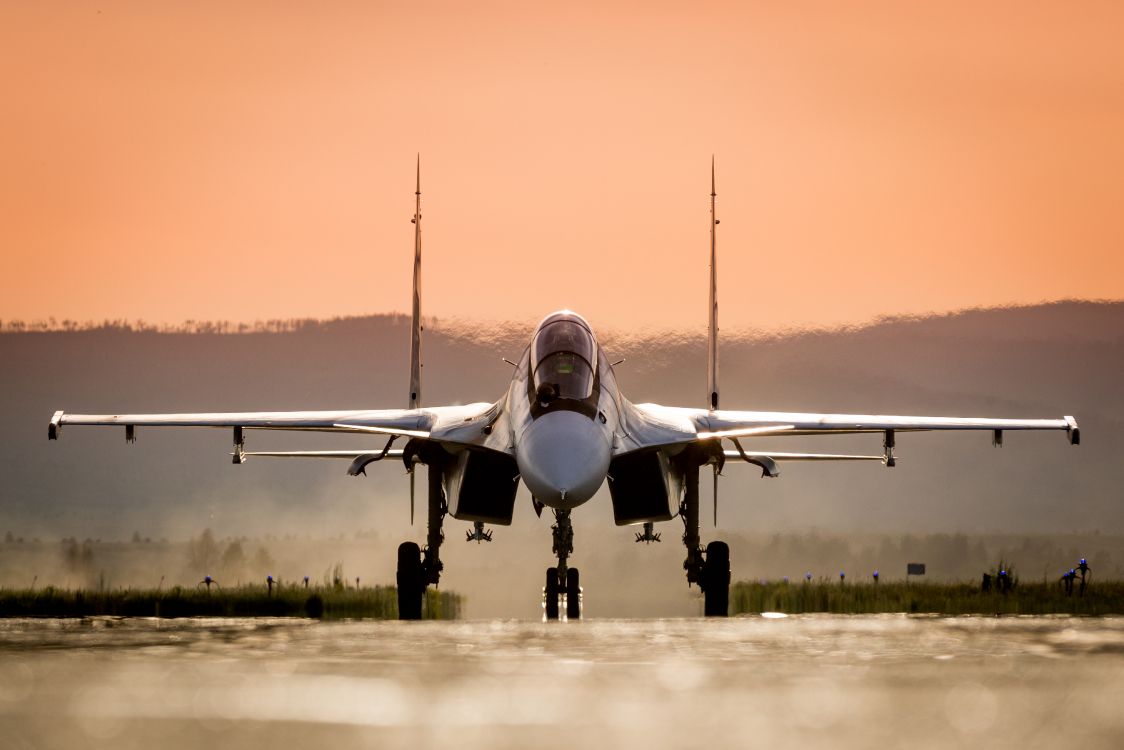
<point x="552" y="592"/>
<point x="573" y="595"/>
<point x="411" y="586"/>
<point x="716" y="580"/>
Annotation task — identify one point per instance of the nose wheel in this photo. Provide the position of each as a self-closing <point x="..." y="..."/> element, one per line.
<point x="562" y="591"/>
<point x="559" y="597"/>
<point x="550" y="594"/>
<point x="573" y="595"/>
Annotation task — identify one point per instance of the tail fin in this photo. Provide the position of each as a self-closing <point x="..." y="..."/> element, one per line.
<point x="712" y="322"/>
<point x="416" y="323"/>
<point x="712" y="326"/>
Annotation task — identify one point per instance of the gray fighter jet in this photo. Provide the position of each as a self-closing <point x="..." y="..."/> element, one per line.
<point x="564" y="428"/>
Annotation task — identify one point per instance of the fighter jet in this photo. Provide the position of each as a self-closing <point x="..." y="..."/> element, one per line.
<point x="564" y="429"/>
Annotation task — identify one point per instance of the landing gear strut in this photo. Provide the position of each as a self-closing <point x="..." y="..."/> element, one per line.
<point x="562" y="579"/>
<point x="709" y="569"/>
<point x="417" y="568"/>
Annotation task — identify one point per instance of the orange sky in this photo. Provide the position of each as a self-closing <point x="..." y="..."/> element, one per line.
<point x="205" y="160"/>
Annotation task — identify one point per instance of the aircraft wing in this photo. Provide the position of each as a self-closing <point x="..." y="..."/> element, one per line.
<point x="653" y="425"/>
<point x="466" y="425"/>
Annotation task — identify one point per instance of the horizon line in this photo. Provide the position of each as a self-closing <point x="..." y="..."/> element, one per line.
<point x="192" y="326"/>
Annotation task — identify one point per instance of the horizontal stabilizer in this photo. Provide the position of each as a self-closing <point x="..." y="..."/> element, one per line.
<point x="351" y="455"/>
<point x="768" y="460"/>
<point x="359" y="459"/>
<point x="781" y="456"/>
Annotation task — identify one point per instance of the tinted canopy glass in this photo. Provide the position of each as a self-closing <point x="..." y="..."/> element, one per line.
<point x="563" y="356"/>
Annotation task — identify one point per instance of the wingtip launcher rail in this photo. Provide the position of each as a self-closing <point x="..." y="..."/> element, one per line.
<point x="55" y="427"/>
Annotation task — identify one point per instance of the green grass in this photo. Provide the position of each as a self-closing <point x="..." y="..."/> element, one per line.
<point x="380" y="603"/>
<point x="949" y="599"/>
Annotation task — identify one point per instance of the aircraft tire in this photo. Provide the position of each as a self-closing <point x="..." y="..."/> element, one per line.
<point x="716" y="576"/>
<point x="573" y="595"/>
<point x="552" y="592"/>
<point x="411" y="588"/>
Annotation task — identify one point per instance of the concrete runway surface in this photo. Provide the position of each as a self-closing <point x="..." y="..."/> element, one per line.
<point x="801" y="681"/>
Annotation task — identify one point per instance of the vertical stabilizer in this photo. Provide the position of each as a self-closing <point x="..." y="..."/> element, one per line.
<point x="712" y="324"/>
<point x="712" y="320"/>
<point x="416" y="322"/>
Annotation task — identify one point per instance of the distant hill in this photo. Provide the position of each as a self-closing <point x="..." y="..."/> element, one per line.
<point x="1041" y="361"/>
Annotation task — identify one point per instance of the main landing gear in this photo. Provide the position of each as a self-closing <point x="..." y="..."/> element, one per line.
<point x="418" y="568"/>
<point x="709" y="569"/>
<point x="562" y="582"/>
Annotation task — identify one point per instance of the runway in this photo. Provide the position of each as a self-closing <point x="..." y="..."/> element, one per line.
<point x="807" y="681"/>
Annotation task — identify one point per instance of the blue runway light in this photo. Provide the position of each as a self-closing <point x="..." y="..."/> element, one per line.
<point x="807" y="576"/>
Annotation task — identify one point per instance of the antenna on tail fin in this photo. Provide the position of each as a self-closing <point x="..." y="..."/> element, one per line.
<point x="416" y="322"/>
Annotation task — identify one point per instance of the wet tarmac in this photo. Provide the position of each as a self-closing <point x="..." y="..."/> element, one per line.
<point x="802" y="681"/>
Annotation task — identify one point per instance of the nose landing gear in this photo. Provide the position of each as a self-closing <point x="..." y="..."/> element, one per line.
<point x="562" y="589"/>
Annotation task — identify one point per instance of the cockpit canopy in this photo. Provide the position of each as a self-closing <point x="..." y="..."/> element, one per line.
<point x="564" y="358"/>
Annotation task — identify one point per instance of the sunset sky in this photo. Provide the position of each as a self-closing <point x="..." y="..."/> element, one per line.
<point x="243" y="160"/>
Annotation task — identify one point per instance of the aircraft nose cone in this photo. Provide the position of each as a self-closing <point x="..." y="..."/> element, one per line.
<point x="563" y="458"/>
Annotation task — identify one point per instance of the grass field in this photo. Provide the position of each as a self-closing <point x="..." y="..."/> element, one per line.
<point x="379" y="603"/>
<point x="949" y="599"/>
